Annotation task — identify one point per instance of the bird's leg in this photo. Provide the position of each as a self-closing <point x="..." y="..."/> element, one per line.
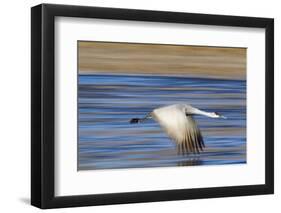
<point x="140" y="120"/>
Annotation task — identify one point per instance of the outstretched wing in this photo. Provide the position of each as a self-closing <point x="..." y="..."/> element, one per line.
<point x="192" y="140"/>
<point x="181" y="128"/>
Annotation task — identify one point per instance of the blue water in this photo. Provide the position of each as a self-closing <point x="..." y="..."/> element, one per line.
<point x="107" y="140"/>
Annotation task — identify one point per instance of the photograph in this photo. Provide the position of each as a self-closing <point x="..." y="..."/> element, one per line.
<point x="169" y="104"/>
<point x="144" y="105"/>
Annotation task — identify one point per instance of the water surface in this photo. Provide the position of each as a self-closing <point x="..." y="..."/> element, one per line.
<point x="107" y="140"/>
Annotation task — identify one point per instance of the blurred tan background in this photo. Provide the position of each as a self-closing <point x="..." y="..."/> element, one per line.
<point x="216" y="62"/>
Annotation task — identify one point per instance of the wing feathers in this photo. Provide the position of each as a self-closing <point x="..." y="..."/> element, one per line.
<point x="192" y="142"/>
<point x="181" y="128"/>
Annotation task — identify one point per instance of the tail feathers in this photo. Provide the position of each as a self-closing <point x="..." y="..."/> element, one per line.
<point x="135" y="120"/>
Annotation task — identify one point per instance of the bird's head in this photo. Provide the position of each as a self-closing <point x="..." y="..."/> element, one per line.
<point x="217" y="115"/>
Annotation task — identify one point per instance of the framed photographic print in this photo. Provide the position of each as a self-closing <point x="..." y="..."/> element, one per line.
<point x="139" y="106"/>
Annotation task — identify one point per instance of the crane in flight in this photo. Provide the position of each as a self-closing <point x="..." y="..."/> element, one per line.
<point x="177" y="121"/>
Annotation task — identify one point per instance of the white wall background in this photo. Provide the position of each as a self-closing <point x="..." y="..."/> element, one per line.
<point x="15" y="105"/>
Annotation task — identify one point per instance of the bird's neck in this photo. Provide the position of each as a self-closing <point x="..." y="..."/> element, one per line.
<point x="208" y="114"/>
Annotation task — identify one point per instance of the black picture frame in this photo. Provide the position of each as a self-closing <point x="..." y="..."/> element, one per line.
<point x="43" y="102"/>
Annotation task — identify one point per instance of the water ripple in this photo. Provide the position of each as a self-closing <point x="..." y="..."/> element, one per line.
<point x="107" y="102"/>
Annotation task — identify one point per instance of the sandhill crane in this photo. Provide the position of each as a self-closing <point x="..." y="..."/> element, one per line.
<point x="177" y="121"/>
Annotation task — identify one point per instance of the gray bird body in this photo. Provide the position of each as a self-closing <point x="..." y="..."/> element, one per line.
<point x="177" y="121"/>
<point x="180" y="127"/>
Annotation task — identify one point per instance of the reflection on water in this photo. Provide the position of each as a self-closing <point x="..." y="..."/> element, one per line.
<point x="107" y="102"/>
